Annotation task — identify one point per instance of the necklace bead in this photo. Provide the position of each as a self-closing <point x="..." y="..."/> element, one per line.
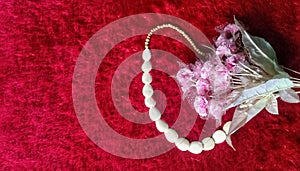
<point x="146" y="67"/>
<point x="154" y="114"/>
<point x="161" y="126"/>
<point x="146" y="78"/>
<point x="219" y="136"/>
<point x="182" y="144"/>
<point x="208" y="144"/>
<point x="149" y="102"/>
<point x="171" y="135"/>
<point x="196" y="147"/>
<point x="147" y="90"/>
<point x="146" y="55"/>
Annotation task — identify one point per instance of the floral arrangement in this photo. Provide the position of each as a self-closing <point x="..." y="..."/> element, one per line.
<point x="242" y="72"/>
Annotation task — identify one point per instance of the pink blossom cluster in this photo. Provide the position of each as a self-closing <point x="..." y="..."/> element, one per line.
<point x="199" y="82"/>
<point x="205" y="83"/>
<point x="194" y="80"/>
<point x="229" y="47"/>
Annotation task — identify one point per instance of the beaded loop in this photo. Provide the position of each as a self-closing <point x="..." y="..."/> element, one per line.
<point x="171" y="135"/>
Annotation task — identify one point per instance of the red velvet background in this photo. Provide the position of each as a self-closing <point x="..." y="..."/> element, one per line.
<point x="41" y="41"/>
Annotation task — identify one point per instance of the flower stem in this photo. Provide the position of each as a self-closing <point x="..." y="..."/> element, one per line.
<point x="296" y="72"/>
<point x="296" y="79"/>
<point x="250" y="75"/>
<point x="237" y="87"/>
<point x="297" y="85"/>
<point x="243" y="69"/>
<point x="239" y="83"/>
<point x="251" y="70"/>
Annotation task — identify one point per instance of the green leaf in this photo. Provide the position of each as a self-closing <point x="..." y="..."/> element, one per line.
<point x="261" y="53"/>
<point x="263" y="48"/>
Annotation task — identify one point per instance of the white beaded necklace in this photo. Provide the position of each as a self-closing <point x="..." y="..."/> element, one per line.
<point x="171" y="135"/>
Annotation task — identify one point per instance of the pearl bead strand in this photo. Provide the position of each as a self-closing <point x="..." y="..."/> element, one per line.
<point x="179" y="31"/>
<point x="195" y="147"/>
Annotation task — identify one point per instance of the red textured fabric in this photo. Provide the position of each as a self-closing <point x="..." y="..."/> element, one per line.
<point x="40" y="44"/>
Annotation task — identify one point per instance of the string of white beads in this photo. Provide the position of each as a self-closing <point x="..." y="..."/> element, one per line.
<point x="171" y="135"/>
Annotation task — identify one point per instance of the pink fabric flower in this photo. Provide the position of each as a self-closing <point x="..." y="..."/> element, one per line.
<point x="184" y="76"/>
<point x="223" y="50"/>
<point x="231" y="28"/>
<point x="206" y="69"/>
<point x="196" y="68"/>
<point x="202" y="86"/>
<point x="227" y="35"/>
<point x="232" y="61"/>
<point x="200" y="106"/>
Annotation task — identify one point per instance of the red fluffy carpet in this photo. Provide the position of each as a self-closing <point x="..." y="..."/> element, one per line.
<point x="40" y="45"/>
